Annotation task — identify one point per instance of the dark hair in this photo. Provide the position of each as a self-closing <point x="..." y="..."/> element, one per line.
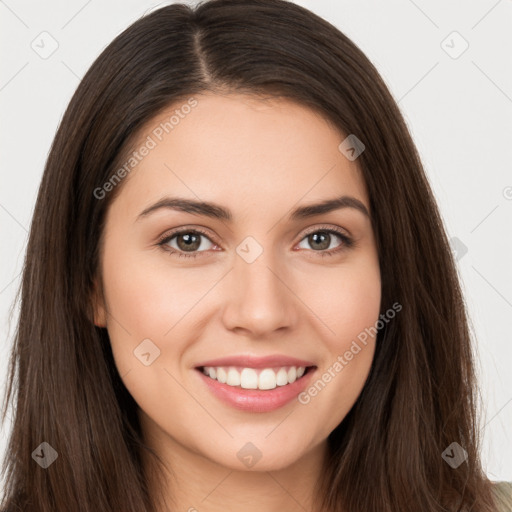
<point x="420" y="395"/>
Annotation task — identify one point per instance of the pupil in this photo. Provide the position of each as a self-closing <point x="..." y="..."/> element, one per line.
<point x="188" y="241"/>
<point x="323" y="244"/>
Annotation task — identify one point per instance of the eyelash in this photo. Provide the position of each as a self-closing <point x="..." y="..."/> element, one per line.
<point x="347" y="242"/>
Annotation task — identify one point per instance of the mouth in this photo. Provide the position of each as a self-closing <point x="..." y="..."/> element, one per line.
<point x="262" y="379"/>
<point x="255" y="390"/>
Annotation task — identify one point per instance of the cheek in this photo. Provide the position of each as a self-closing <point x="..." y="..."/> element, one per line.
<point x="346" y="300"/>
<point x="142" y="305"/>
<point x="350" y="307"/>
<point x="146" y="302"/>
<point x="148" y="297"/>
<point x="356" y="307"/>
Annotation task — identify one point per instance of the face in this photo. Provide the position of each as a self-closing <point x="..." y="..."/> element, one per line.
<point x="237" y="325"/>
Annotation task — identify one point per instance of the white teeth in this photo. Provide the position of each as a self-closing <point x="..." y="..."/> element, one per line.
<point x="267" y="379"/>
<point x="222" y="376"/>
<point x="233" y="378"/>
<point x="282" y="377"/>
<point x="251" y="378"/>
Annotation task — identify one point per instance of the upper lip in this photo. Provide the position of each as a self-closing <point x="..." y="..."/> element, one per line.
<point x="248" y="361"/>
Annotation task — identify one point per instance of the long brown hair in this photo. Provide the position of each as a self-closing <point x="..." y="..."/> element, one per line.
<point x="420" y="396"/>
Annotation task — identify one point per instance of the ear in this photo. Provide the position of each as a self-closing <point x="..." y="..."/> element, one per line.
<point x="100" y="314"/>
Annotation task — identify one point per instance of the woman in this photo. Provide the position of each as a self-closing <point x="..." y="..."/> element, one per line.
<point x="238" y="286"/>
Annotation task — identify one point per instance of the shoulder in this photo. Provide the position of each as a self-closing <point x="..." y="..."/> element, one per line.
<point x="503" y="493"/>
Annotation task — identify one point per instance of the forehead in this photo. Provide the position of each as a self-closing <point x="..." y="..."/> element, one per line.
<point x="242" y="150"/>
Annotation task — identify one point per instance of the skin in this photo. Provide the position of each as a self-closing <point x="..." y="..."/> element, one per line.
<point x="261" y="159"/>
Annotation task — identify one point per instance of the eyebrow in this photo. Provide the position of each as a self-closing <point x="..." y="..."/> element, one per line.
<point x="216" y="211"/>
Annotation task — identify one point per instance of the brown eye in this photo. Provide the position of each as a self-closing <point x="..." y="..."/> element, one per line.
<point x="322" y="239"/>
<point x="186" y="241"/>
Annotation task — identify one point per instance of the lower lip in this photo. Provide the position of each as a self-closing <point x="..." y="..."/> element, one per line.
<point x="257" y="400"/>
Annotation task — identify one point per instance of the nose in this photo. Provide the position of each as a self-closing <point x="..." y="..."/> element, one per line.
<point x="260" y="297"/>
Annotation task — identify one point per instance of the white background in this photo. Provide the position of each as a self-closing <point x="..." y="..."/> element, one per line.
<point x="459" y="111"/>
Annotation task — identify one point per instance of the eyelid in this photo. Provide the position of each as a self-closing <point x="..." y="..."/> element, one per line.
<point x="186" y="229"/>
<point x="326" y="227"/>
<point x="208" y="234"/>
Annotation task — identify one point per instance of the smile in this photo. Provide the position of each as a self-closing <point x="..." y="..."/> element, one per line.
<point x="255" y="378"/>
<point x="256" y="390"/>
